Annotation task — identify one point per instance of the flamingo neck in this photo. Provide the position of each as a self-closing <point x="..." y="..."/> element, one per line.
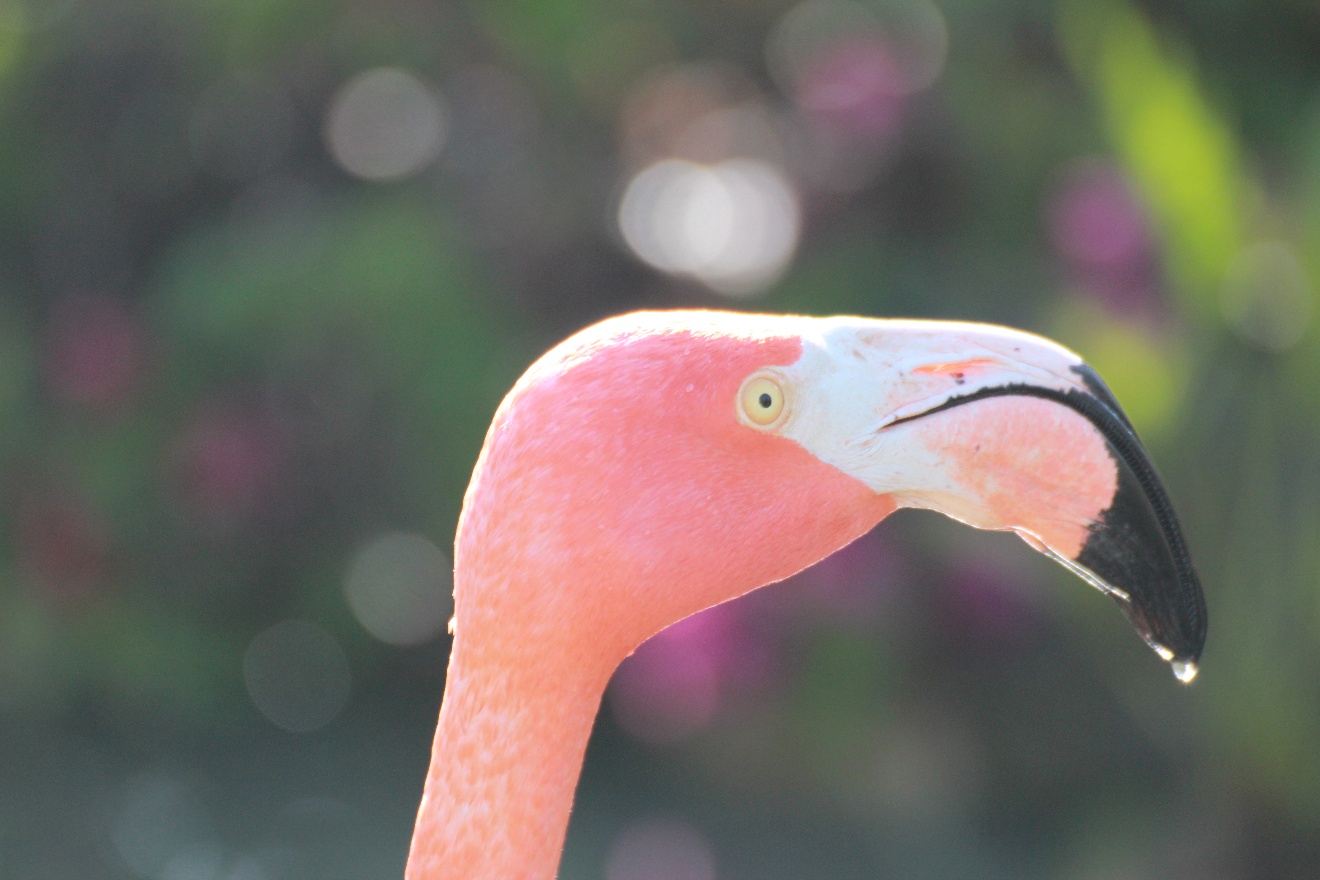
<point x="506" y="759"/>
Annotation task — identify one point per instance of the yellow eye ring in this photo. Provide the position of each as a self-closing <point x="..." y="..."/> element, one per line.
<point x="761" y="400"/>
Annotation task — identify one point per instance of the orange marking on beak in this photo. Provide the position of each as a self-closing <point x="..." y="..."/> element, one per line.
<point x="957" y="367"/>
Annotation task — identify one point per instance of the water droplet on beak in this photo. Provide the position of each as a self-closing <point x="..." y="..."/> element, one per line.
<point x="1184" y="670"/>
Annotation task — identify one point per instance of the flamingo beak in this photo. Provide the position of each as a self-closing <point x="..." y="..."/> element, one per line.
<point x="1004" y="430"/>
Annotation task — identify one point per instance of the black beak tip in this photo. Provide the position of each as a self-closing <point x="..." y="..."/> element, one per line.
<point x="1135" y="550"/>
<point x="1137" y="547"/>
<point x="1150" y="576"/>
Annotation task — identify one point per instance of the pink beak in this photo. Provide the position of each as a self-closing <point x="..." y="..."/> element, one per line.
<point x="1004" y="430"/>
<point x="1134" y="551"/>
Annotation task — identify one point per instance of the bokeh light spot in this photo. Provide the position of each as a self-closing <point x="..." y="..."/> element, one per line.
<point x="158" y="822"/>
<point x="398" y="587"/>
<point x="200" y="862"/>
<point x="857" y="89"/>
<point x="655" y="122"/>
<point x="385" y="124"/>
<point x="297" y="675"/>
<point x="660" y="849"/>
<point x="913" y="34"/>
<point x="733" y="225"/>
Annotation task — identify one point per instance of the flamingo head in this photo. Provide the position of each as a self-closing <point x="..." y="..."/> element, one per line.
<point x="661" y="462"/>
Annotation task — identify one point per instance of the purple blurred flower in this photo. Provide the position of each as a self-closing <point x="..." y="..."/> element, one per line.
<point x="228" y="459"/>
<point x="1099" y="227"/>
<point x="676" y="682"/>
<point x="987" y="602"/>
<point x="849" y="589"/>
<point x="94" y="352"/>
<point x="856" y="88"/>
<point x="666" y="691"/>
<point x="673" y="685"/>
<point x="62" y="546"/>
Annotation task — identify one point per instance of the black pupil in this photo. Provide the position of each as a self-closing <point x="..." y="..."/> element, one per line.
<point x="765" y="400"/>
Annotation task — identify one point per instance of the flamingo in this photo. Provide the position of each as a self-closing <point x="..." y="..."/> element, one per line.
<point x="658" y="463"/>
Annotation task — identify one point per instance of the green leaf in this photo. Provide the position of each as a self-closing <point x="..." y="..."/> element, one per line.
<point x="1182" y="154"/>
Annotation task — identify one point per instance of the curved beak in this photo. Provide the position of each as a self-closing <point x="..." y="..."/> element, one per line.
<point x="1004" y="430"/>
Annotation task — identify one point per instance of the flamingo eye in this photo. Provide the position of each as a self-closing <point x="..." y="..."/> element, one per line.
<point x="761" y="400"/>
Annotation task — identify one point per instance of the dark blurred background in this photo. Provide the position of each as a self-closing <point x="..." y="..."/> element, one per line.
<point x="266" y="270"/>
